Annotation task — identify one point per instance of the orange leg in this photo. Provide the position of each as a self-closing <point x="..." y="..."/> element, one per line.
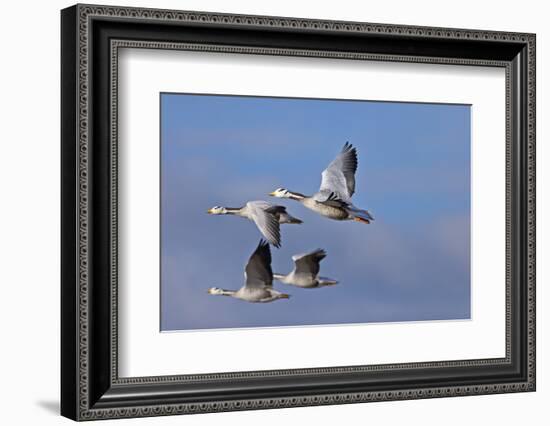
<point x="360" y="219"/>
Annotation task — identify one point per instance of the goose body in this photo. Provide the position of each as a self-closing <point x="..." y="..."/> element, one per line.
<point x="306" y="271"/>
<point x="258" y="286"/>
<point x="327" y="210"/>
<point x="333" y="200"/>
<point x="266" y="216"/>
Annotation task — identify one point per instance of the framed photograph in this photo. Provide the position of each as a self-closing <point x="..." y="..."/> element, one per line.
<point x="263" y="212"/>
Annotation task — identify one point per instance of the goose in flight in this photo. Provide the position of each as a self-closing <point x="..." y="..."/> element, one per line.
<point x="258" y="279"/>
<point x="266" y="216"/>
<point x="306" y="271"/>
<point x="333" y="200"/>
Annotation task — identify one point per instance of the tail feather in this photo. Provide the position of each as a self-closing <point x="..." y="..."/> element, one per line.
<point x="286" y="218"/>
<point x="327" y="281"/>
<point x="360" y="214"/>
<point x="295" y="221"/>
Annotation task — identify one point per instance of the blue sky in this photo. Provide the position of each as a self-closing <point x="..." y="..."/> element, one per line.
<point x="412" y="263"/>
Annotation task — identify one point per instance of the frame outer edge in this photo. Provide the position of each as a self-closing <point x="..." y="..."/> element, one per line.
<point x="531" y="212"/>
<point x="84" y="194"/>
<point x="83" y="12"/>
<point x="69" y="281"/>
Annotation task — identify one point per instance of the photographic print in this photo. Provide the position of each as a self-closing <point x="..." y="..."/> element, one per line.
<point x="283" y="212"/>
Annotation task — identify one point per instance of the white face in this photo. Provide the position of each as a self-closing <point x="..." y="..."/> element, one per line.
<point x="217" y="210"/>
<point x="280" y="193"/>
<point x="215" y="291"/>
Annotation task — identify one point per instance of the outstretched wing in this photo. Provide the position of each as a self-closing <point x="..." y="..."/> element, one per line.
<point x="339" y="176"/>
<point x="266" y="221"/>
<point x="308" y="263"/>
<point x="258" y="273"/>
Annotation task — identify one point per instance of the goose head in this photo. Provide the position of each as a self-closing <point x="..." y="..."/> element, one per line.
<point x="215" y="291"/>
<point x="217" y="210"/>
<point x="280" y="193"/>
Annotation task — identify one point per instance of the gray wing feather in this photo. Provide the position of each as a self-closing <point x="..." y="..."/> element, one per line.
<point x="339" y="176"/>
<point x="266" y="221"/>
<point x="258" y="273"/>
<point x="308" y="263"/>
<point x="260" y="204"/>
<point x="330" y="198"/>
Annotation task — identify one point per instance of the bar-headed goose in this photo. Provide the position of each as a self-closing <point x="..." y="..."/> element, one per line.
<point x="258" y="287"/>
<point x="306" y="271"/>
<point x="266" y="216"/>
<point x="333" y="200"/>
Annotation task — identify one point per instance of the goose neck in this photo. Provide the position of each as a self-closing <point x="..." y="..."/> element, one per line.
<point x="296" y="196"/>
<point x="233" y="210"/>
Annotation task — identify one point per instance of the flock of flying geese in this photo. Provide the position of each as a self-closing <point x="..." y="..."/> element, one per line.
<point x="333" y="200"/>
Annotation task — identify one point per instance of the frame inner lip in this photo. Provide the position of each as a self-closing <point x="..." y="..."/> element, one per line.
<point x="115" y="45"/>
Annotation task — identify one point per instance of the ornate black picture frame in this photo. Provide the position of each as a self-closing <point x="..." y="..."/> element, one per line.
<point x="91" y="387"/>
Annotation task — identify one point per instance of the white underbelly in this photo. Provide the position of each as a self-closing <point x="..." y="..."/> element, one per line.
<point x="323" y="209"/>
